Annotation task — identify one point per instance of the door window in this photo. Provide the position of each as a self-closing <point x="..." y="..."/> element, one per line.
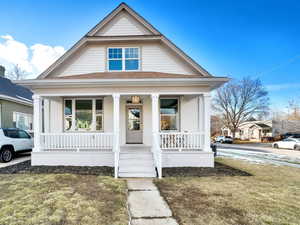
<point x="134" y="119"/>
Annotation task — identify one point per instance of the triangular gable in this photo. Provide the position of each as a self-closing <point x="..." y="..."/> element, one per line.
<point x="123" y="13"/>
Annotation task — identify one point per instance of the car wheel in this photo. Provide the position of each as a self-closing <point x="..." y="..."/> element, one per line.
<point x="221" y="141"/>
<point x="6" y="155"/>
<point x="296" y="147"/>
<point x="275" y="146"/>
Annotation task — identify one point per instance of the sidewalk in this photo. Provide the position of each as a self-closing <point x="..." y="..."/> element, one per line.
<point x="146" y="206"/>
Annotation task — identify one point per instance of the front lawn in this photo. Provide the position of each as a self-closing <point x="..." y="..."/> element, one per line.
<point x="270" y="196"/>
<point x="62" y="199"/>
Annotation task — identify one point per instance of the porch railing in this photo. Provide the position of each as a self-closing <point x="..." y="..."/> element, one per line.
<point x="157" y="154"/>
<point x="76" y="141"/>
<point x="182" y="141"/>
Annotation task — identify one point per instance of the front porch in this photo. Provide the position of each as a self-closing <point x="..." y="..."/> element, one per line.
<point x="129" y="136"/>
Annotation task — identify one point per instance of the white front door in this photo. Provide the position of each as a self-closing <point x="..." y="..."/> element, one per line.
<point x="134" y="121"/>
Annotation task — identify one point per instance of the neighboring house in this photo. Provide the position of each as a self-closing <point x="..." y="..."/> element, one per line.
<point x="123" y="96"/>
<point x="256" y="130"/>
<point x="15" y="105"/>
<point x="251" y="130"/>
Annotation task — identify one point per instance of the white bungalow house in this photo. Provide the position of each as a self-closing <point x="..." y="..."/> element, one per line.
<point x="123" y="96"/>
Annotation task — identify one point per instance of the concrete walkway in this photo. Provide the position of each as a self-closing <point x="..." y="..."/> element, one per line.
<point x="146" y="206"/>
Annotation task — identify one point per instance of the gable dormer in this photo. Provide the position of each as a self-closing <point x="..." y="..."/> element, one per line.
<point x="123" y="41"/>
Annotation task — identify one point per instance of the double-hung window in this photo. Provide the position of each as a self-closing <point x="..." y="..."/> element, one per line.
<point x="169" y="114"/>
<point x="123" y="59"/>
<point x="83" y="114"/>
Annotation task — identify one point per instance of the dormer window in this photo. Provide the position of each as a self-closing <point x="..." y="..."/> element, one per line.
<point x="123" y="59"/>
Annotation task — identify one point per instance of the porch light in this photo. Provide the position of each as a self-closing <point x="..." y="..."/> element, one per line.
<point x="135" y="99"/>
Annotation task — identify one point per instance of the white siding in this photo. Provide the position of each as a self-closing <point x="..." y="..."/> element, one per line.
<point x="123" y="24"/>
<point x="158" y="58"/>
<point x="61" y="158"/>
<point x="188" y="159"/>
<point x="189" y="113"/>
<point x="56" y="115"/>
<point x="154" y="57"/>
<point x="90" y="59"/>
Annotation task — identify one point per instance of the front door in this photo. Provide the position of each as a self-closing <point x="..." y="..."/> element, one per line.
<point x="134" y="131"/>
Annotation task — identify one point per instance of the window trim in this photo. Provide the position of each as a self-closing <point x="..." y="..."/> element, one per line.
<point x="93" y="125"/>
<point x="179" y="114"/>
<point x="123" y="59"/>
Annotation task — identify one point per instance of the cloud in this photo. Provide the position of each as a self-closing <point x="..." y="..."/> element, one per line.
<point x="280" y="87"/>
<point x="34" y="59"/>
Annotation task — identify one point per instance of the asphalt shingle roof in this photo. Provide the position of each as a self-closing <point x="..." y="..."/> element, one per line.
<point x="10" y="89"/>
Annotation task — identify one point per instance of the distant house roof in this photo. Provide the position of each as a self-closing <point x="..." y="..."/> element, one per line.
<point x="14" y="92"/>
<point x="262" y="125"/>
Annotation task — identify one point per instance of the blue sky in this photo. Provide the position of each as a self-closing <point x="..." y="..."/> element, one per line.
<point x="258" y="38"/>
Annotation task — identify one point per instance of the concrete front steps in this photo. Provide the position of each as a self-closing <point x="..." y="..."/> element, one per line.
<point x="136" y="161"/>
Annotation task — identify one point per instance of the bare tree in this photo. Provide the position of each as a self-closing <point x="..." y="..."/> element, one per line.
<point x="239" y="100"/>
<point x="16" y="73"/>
<point x="293" y="110"/>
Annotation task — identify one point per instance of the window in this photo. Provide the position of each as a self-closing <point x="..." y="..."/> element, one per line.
<point x="83" y="114"/>
<point x="68" y="114"/>
<point x="22" y="120"/>
<point x="11" y="133"/>
<point x="123" y="59"/>
<point x="169" y="114"/>
<point x="23" y="134"/>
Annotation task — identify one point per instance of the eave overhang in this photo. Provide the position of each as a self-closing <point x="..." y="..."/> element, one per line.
<point x="211" y="82"/>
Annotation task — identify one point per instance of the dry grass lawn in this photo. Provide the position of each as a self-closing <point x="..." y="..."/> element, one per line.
<point x="62" y="199"/>
<point x="270" y="196"/>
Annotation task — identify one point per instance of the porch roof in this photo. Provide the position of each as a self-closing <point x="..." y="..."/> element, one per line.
<point x="124" y="79"/>
<point x="128" y="75"/>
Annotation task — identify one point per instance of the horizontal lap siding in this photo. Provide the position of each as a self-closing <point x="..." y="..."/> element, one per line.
<point x="7" y="109"/>
<point x="123" y="24"/>
<point x="158" y="58"/>
<point x="90" y="59"/>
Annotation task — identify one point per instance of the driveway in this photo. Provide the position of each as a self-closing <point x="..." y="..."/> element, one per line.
<point x="21" y="157"/>
<point x="260" y="153"/>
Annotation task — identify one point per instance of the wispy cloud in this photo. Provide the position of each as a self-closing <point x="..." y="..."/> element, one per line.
<point x="32" y="59"/>
<point x="280" y="87"/>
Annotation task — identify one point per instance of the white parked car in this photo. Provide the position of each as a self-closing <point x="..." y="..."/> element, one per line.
<point x="288" y="143"/>
<point x="13" y="141"/>
<point x="224" y="139"/>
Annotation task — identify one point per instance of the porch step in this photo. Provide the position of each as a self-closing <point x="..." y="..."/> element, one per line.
<point x="124" y="174"/>
<point x="128" y="163"/>
<point x="136" y="163"/>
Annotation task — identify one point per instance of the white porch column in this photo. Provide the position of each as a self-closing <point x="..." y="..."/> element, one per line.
<point x="46" y="115"/>
<point x="37" y="122"/>
<point x="206" y="114"/>
<point x="116" y="122"/>
<point x="155" y="113"/>
<point x="116" y="131"/>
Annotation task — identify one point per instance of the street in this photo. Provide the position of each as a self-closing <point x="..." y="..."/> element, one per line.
<point x="260" y="153"/>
